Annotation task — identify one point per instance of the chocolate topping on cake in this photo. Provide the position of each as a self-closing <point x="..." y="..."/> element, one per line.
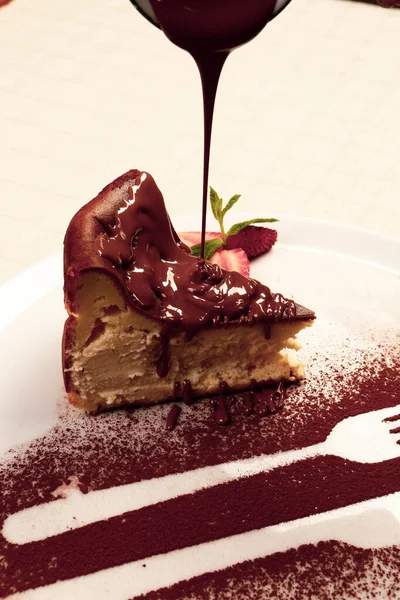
<point x="127" y="233"/>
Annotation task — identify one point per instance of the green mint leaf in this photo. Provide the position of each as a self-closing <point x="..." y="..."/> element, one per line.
<point x="216" y="204"/>
<point x="231" y="202"/>
<point x="239" y="226"/>
<point x="210" y="247"/>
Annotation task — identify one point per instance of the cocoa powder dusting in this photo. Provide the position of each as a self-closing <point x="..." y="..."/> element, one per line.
<point x="344" y="379"/>
<point x="326" y="571"/>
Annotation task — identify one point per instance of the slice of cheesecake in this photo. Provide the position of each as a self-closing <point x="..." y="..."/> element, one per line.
<point x="149" y="322"/>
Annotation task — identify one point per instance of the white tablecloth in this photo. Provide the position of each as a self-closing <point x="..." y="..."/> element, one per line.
<point x="307" y="118"/>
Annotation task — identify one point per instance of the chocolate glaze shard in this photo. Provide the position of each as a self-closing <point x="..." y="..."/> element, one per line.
<point x="128" y="234"/>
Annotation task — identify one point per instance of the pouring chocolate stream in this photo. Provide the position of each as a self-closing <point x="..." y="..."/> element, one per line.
<point x="210" y="30"/>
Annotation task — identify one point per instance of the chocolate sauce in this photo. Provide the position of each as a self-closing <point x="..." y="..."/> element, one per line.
<point x="209" y="30"/>
<point x="173" y="416"/>
<point x="166" y="282"/>
<point x="270" y="399"/>
<point x="162" y="363"/>
<point x="220" y="410"/>
<point x="187" y="392"/>
<point x="248" y="403"/>
<point x="267" y="330"/>
<point x="279" y="396"/>
<point x="264" y="399"/>
<point x="177" y="390"/>
<point x="223" y="387"/>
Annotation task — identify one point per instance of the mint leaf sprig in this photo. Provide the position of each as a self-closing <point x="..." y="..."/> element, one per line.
<point x="219" y="212"/>
<point x="210" y="248"/>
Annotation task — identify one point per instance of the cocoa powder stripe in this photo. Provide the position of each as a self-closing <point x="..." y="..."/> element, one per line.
<point x="104" y="452"/>
<point x="299" y="490"/>
<point x="327" y="571"/>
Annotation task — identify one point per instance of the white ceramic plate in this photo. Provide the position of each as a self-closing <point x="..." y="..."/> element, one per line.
<point x="347" y="275"/>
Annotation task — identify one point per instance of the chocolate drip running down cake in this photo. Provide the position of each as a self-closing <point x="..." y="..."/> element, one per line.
<point x="148" y="321"/>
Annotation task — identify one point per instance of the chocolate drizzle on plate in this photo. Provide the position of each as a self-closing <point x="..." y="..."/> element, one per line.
<point x="248" y="403"/>
<point x="172" y="417"/>
<point x="219" y="407"/>
<point x="176" y="393"/>
<point x="187" y="392"/>
<point x="266" y="403"/>
<point x="279" y="396"/>
<point x="267" y="399"/>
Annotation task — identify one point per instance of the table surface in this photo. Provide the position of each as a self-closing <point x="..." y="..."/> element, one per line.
<point x="307" y="119"/>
